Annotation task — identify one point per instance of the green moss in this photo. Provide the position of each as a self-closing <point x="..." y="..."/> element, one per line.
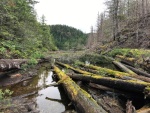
<point x="71" y="85"/>
<point x="129" y="52"/>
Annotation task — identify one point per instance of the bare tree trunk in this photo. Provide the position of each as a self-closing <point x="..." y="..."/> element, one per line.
<point x="116" y="7"/>
<point x="143" y="8"/>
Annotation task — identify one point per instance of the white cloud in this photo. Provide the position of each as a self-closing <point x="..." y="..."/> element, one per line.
<point x="81" y="14"/>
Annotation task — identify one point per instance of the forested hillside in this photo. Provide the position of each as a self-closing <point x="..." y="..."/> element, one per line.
<point x="67" y="37"/>
<point x="21" y="35"/>
<point x="126" y="22"/>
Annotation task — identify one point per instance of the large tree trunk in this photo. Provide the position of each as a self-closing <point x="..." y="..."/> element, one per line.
<point x="124" y="85"/>
<point x="83" y="102"/>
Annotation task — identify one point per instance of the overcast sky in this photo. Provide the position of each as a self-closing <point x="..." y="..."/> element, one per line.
<point x="81" y="14"/>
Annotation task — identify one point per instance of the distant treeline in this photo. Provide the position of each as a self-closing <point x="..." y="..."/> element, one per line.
<point x="66" y="37"/>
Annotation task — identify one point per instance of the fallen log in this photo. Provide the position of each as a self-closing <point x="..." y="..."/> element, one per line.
<point x="124" y="85"/>
<point x="124" y="94"/>
<point x="138" y="71"/>
<point x="83" y="102"/>
<point x="101" y="87"/>
<point x="116" y="74"/>
<point x="109" y="102"/>
<point x="133" y="74"/>
<point x="7" y="64"/>
<point x="126" y="58"/>
<point x="123" y="68"/>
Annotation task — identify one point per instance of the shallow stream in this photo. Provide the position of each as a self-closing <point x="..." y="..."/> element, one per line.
<point x="48" y="100"/>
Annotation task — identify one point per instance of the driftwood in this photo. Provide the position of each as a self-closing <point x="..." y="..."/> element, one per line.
<point x="83" y="102"/>
<point x="133" y="74"/>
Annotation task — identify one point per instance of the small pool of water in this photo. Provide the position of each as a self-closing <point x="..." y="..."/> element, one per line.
<point x="49" y="100"/>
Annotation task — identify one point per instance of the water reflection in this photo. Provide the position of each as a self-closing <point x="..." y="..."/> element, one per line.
<point x="50" y="99"/>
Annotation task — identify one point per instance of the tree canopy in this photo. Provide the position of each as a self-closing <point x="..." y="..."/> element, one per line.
<point x="21" y="35"/>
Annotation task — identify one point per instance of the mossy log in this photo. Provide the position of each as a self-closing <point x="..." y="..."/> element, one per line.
<point x="139" y="72"/>
<point x="133" y="74"/>
<point x="109" y="72"/>
<point x="126" y="58"/>
<point x="116" y="74"/>
<point x="83" y="102"/>
<point x="124" y="68"/>
<point x="124" y="85"/>
<point x="127" y="85"/>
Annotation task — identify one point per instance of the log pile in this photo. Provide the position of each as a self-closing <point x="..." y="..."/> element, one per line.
<point x="124" y="83"/>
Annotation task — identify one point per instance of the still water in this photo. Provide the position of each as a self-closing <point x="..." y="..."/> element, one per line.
<point x="49" y="100"/>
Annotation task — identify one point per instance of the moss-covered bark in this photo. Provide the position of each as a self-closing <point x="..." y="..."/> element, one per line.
<point x="126" y="58"/>
<point x="133" y="74"/>
<point x="109" y="72"/>
<point x="123" y="75"/>
<point x="124" y="68"/>
<point x="83" y="102"/>
<point x="128" y="85"/>
<point x="124" y="85"/>
<point x="140" y="72"/>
